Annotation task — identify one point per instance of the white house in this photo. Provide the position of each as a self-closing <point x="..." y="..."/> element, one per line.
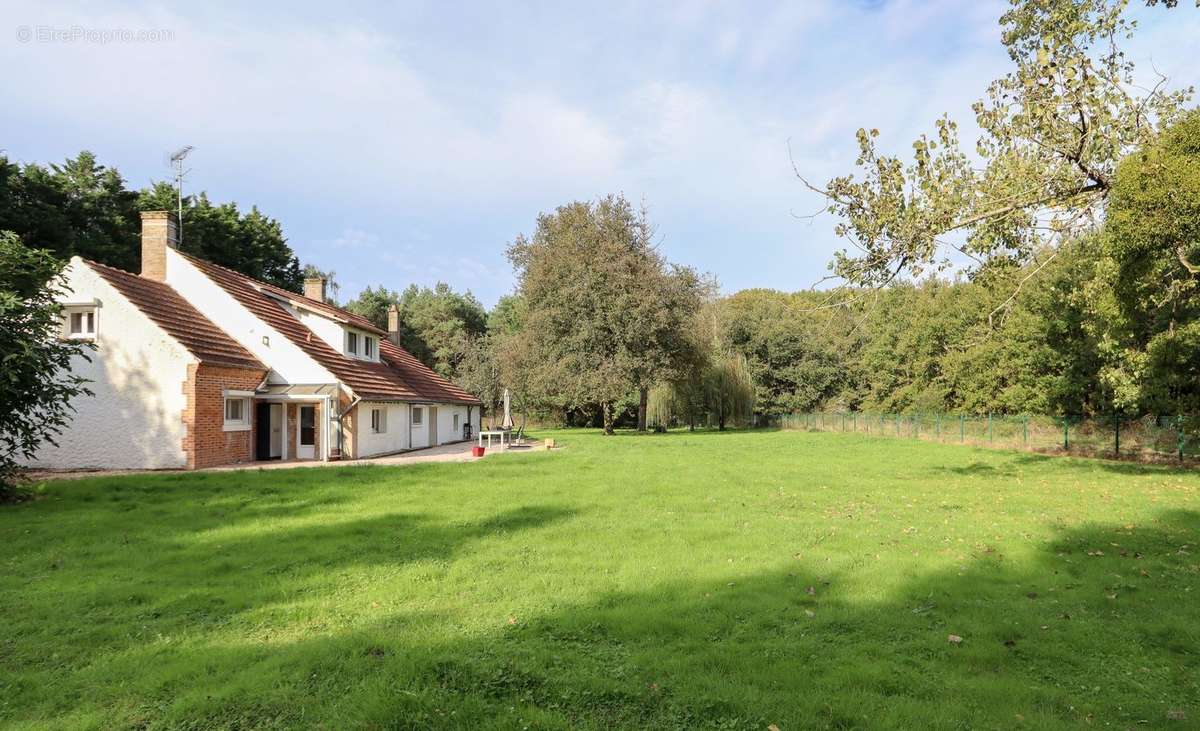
<point x="196" y="365"/>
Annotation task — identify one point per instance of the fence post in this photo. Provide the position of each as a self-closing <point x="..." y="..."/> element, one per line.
<point x="937" y="426"/>
<point x="989" y="427"/>
<point x="1026" y="431"/>
<point x="1066" y="434"/>
<point x="1179" y="435"/>
<point x="962" y="428"/>
<point x="897" y="425"/>
<point x="916" y="426"/>
<point x="855" y="421"/>
<point x="1117" y="436"/>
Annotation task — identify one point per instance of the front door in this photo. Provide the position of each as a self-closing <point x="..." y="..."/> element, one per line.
<point x="433" y="439"/>
<point x="308" y="433"/>
<point x="263" y="422"/>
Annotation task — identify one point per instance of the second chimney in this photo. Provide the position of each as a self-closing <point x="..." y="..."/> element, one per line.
<point x="394" y="324"/>
<point x="314" y="288"/>
<point x="160" y="231"/>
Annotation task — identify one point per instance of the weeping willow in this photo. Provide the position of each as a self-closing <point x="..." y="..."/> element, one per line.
<point x="729" y="391"/>
<point x="721" y="394"/>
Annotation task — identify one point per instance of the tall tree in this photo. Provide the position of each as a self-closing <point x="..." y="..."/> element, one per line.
<point x="713" y="385"/>
<point x="1053" y="132"/>
<point x="795" y="354"/>
<point x="373" y="303"/>
<point x="729" y="390"/>
<point x="80" y="207"/>
<point x="76" y="207"/>
<point x="603" y="309"/>
<point x="1151" y="326"/>
<point x="251" y="243"/>
<point x="508" y="316"/>
<point x="480" y="370"/>
<point x="36" y="384"/>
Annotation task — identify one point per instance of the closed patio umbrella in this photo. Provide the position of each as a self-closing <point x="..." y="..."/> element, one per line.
<point x="508" y="422"/>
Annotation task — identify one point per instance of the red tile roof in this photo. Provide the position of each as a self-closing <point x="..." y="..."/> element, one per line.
<point x="398" y="377"/>
<point x="322" y="307"/>
<point x="421" y="378"/>
<point x="170" y="311"/>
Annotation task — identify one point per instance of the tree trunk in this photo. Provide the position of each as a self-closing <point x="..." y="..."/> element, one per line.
<point x="608" y="418"/>
<point x="643" y="397"/>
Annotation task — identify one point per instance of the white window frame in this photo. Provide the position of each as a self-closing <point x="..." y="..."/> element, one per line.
<point x="240" y="424"/>
<point x="418" y="416"/>
<point x="379" y="421"/>
<point x="368" y="347"/>
<point x="86" y="314"/>
<point x="351" y="343"/>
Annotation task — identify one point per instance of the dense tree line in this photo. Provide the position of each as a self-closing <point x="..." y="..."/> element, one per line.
<point x="435" y="324"/>
<point x="80" y="207"/>
<point x="1102" y="323"/>
<point x="1107" y="322"/>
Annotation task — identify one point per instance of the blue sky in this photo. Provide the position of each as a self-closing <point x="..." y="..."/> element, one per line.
<point x="411" y="142"/>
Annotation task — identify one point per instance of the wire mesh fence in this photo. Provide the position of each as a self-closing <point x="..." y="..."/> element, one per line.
<point x="1149" y="438"/>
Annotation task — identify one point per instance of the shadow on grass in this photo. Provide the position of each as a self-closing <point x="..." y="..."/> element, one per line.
<point x="1100" y="627"/>
<point x="982" y="469"/>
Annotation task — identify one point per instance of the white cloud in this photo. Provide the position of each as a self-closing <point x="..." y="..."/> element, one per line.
<point x="356" y="238"/>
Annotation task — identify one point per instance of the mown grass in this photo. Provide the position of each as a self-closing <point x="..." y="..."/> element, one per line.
<point x="712" y="580"/>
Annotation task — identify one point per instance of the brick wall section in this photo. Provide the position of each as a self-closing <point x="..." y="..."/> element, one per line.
<point x="160" y="230"/>
<point x="207" y="444"/>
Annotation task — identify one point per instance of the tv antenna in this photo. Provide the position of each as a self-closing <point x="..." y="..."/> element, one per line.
<point x="177" y="163"/>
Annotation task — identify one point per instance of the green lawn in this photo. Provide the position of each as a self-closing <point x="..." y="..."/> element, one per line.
<point x="711" y="580"/>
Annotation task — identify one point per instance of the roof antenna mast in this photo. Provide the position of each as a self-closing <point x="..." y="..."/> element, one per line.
<point x="177" y="163"/>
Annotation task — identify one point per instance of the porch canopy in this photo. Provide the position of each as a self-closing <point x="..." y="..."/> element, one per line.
<point x="312" y="437"/>
<point x="298" y="390"/>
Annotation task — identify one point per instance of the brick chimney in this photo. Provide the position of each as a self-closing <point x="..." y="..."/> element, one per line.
<point x="160" y="229"/>
<point x="394" y="324"/>
<point x="314" y="288"/>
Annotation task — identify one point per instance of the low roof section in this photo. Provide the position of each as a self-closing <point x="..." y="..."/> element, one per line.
<point x="397" y="377"/>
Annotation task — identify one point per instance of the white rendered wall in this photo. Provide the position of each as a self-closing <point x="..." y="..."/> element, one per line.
<point x="328" y="330"/>
<point x="137" y="372"/>
<point x="393" y="440"/>
<point x="334" y="333"/>
<point x="446" y="432"/>
<point x="289" y="363"/>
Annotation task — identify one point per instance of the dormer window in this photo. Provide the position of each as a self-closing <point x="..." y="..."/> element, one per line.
<point x="79" y="323"/>
<point x="360" y="345"/>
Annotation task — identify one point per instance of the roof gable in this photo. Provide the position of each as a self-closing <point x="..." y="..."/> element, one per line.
<point x="175" y="315"/>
